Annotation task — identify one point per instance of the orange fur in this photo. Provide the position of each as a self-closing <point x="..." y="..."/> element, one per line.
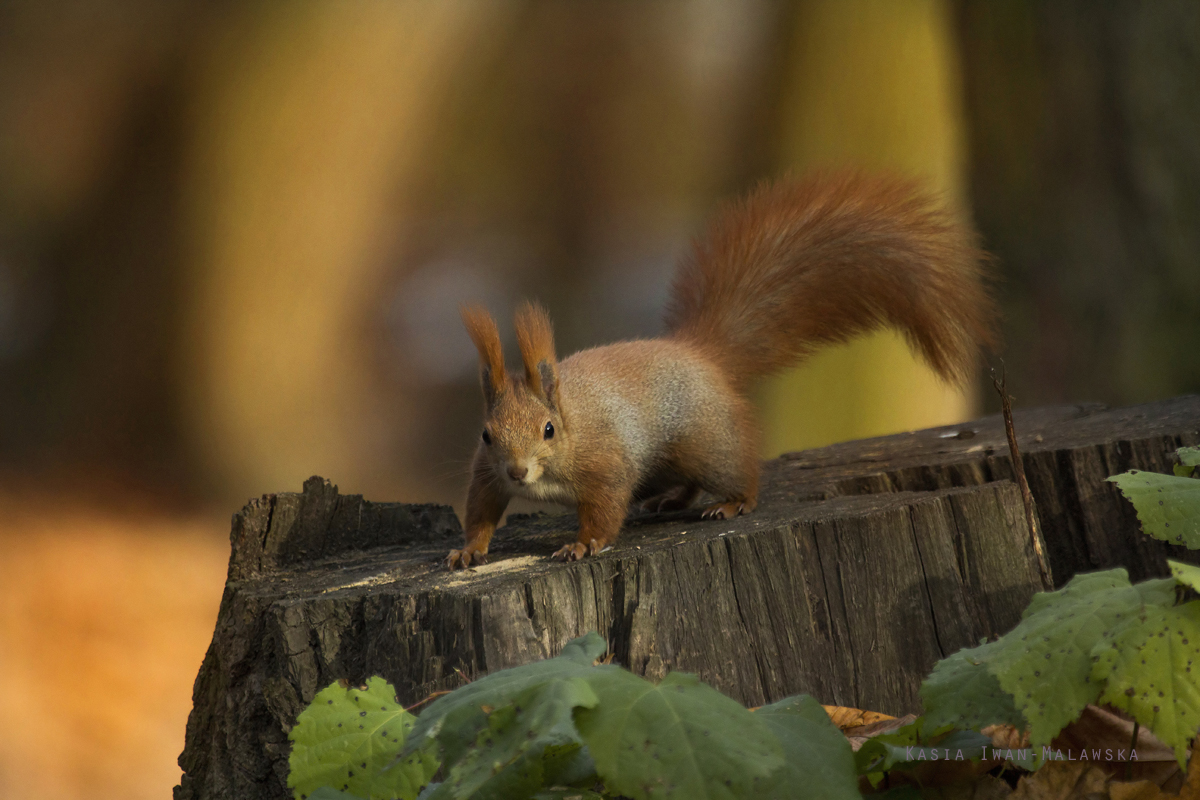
<point x="801" y="264"/>
<point x="794" y="266"/>
<point x="482" y="330"/>
<point x="485" y="505"/>
<point x="535" y="340"/>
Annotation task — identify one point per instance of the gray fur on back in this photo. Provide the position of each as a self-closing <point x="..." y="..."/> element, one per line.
<point x="673" y="384"/>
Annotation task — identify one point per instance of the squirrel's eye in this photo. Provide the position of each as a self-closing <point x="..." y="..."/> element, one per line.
<point x="487" y="437"/>
<point x="548" y="433"/>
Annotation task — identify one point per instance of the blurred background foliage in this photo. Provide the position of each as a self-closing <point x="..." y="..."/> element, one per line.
<point x="234" y="236"/>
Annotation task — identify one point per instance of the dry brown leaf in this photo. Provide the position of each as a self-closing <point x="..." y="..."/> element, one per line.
<point x="863" y="732"/>
<point x="950" y="775"/>
<point x="1191" y="788"/>
<point x="1063" y="780"/>
<point x="1006" y="737"/>
<point x="1136" y="790"/>
<point x="853" y="717"/>
<point x="989" y="787"/>
<point x="1102" y="729"/>
<point x="985" y="787"/>
<point x="1157" y="773"/>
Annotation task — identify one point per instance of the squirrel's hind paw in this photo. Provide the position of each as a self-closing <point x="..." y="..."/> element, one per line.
<point x="729" y="509"/>
<point x="679" y="497"/>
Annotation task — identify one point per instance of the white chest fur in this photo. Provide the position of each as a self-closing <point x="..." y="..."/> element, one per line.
<point x="547" y="490"/>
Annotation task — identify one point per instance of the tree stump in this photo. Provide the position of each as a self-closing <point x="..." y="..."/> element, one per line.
<point x="864" y="564"/>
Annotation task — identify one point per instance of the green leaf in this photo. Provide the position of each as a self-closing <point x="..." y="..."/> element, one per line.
<point x="567" y="794"/>
<point x="1186" y="574"/>
<point x="1149" y="674"/>
<point x="1168" y="506"/>
<point x="818" y="759"/>
<point x="1082" y="644"/>
<point x="325" y="793"/>
<point x="455" y="719"/>
<point x="962" y="693"/>
<point x="1159" y="591"/>
<point x="1045" y="663"/>
<point x="679" y="739"/>
<point x="1189" y="456"/>
<point x="880" y="753"/>
<point x="512" y="751"/>
<point x="915" y="743"/>
<point x="970" y="742"/>
<point x="569" y="765"/>
<point x="346" y="738"/>
<point x="1078" y="588"/>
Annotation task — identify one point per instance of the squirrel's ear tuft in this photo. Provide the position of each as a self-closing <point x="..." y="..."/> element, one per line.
<point x="535" y="337"/>
<point x="482" y="330"/>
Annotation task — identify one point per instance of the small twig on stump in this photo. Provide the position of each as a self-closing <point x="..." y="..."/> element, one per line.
<point x="433" y="696"/>
<point x="1019" y="472"/>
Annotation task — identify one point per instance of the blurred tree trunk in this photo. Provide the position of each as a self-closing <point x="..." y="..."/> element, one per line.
<point x="309" y="119"/>
<point x="90" y="131"/>
<point x="1085" y="179"/>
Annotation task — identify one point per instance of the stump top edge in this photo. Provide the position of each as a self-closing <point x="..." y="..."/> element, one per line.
<point x="1037" y="429"/>
<point x="278" y="531"/>
<point x="521" y="551"/>
<point x="289" y="532"/>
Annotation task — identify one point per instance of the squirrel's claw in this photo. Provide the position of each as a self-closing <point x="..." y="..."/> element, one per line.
<point x="463" y="558"/>
<point x="576" y="551"/>
<point x="571" y="552"/>
<point x="729" y="510"/>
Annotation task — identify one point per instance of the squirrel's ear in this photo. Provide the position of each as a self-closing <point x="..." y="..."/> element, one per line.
<point x="482" y="330"/>
<point x="535" y="337"/>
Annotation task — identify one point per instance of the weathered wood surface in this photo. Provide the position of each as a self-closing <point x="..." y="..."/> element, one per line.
<point x="864" y="564"/>
<point x="1068" y="451"/>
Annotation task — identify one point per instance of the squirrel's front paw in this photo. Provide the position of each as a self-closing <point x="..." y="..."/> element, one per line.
<point x="576" y="551"/>
<point x="464" y="558"/>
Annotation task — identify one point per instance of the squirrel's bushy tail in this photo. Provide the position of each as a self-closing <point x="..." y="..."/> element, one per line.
<point x="803" y="263"/>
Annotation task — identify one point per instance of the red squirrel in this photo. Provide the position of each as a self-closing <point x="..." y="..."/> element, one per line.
<point x="793" y="266"/>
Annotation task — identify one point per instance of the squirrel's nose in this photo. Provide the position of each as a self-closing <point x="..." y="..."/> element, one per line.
<point x="518" y="473"/>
